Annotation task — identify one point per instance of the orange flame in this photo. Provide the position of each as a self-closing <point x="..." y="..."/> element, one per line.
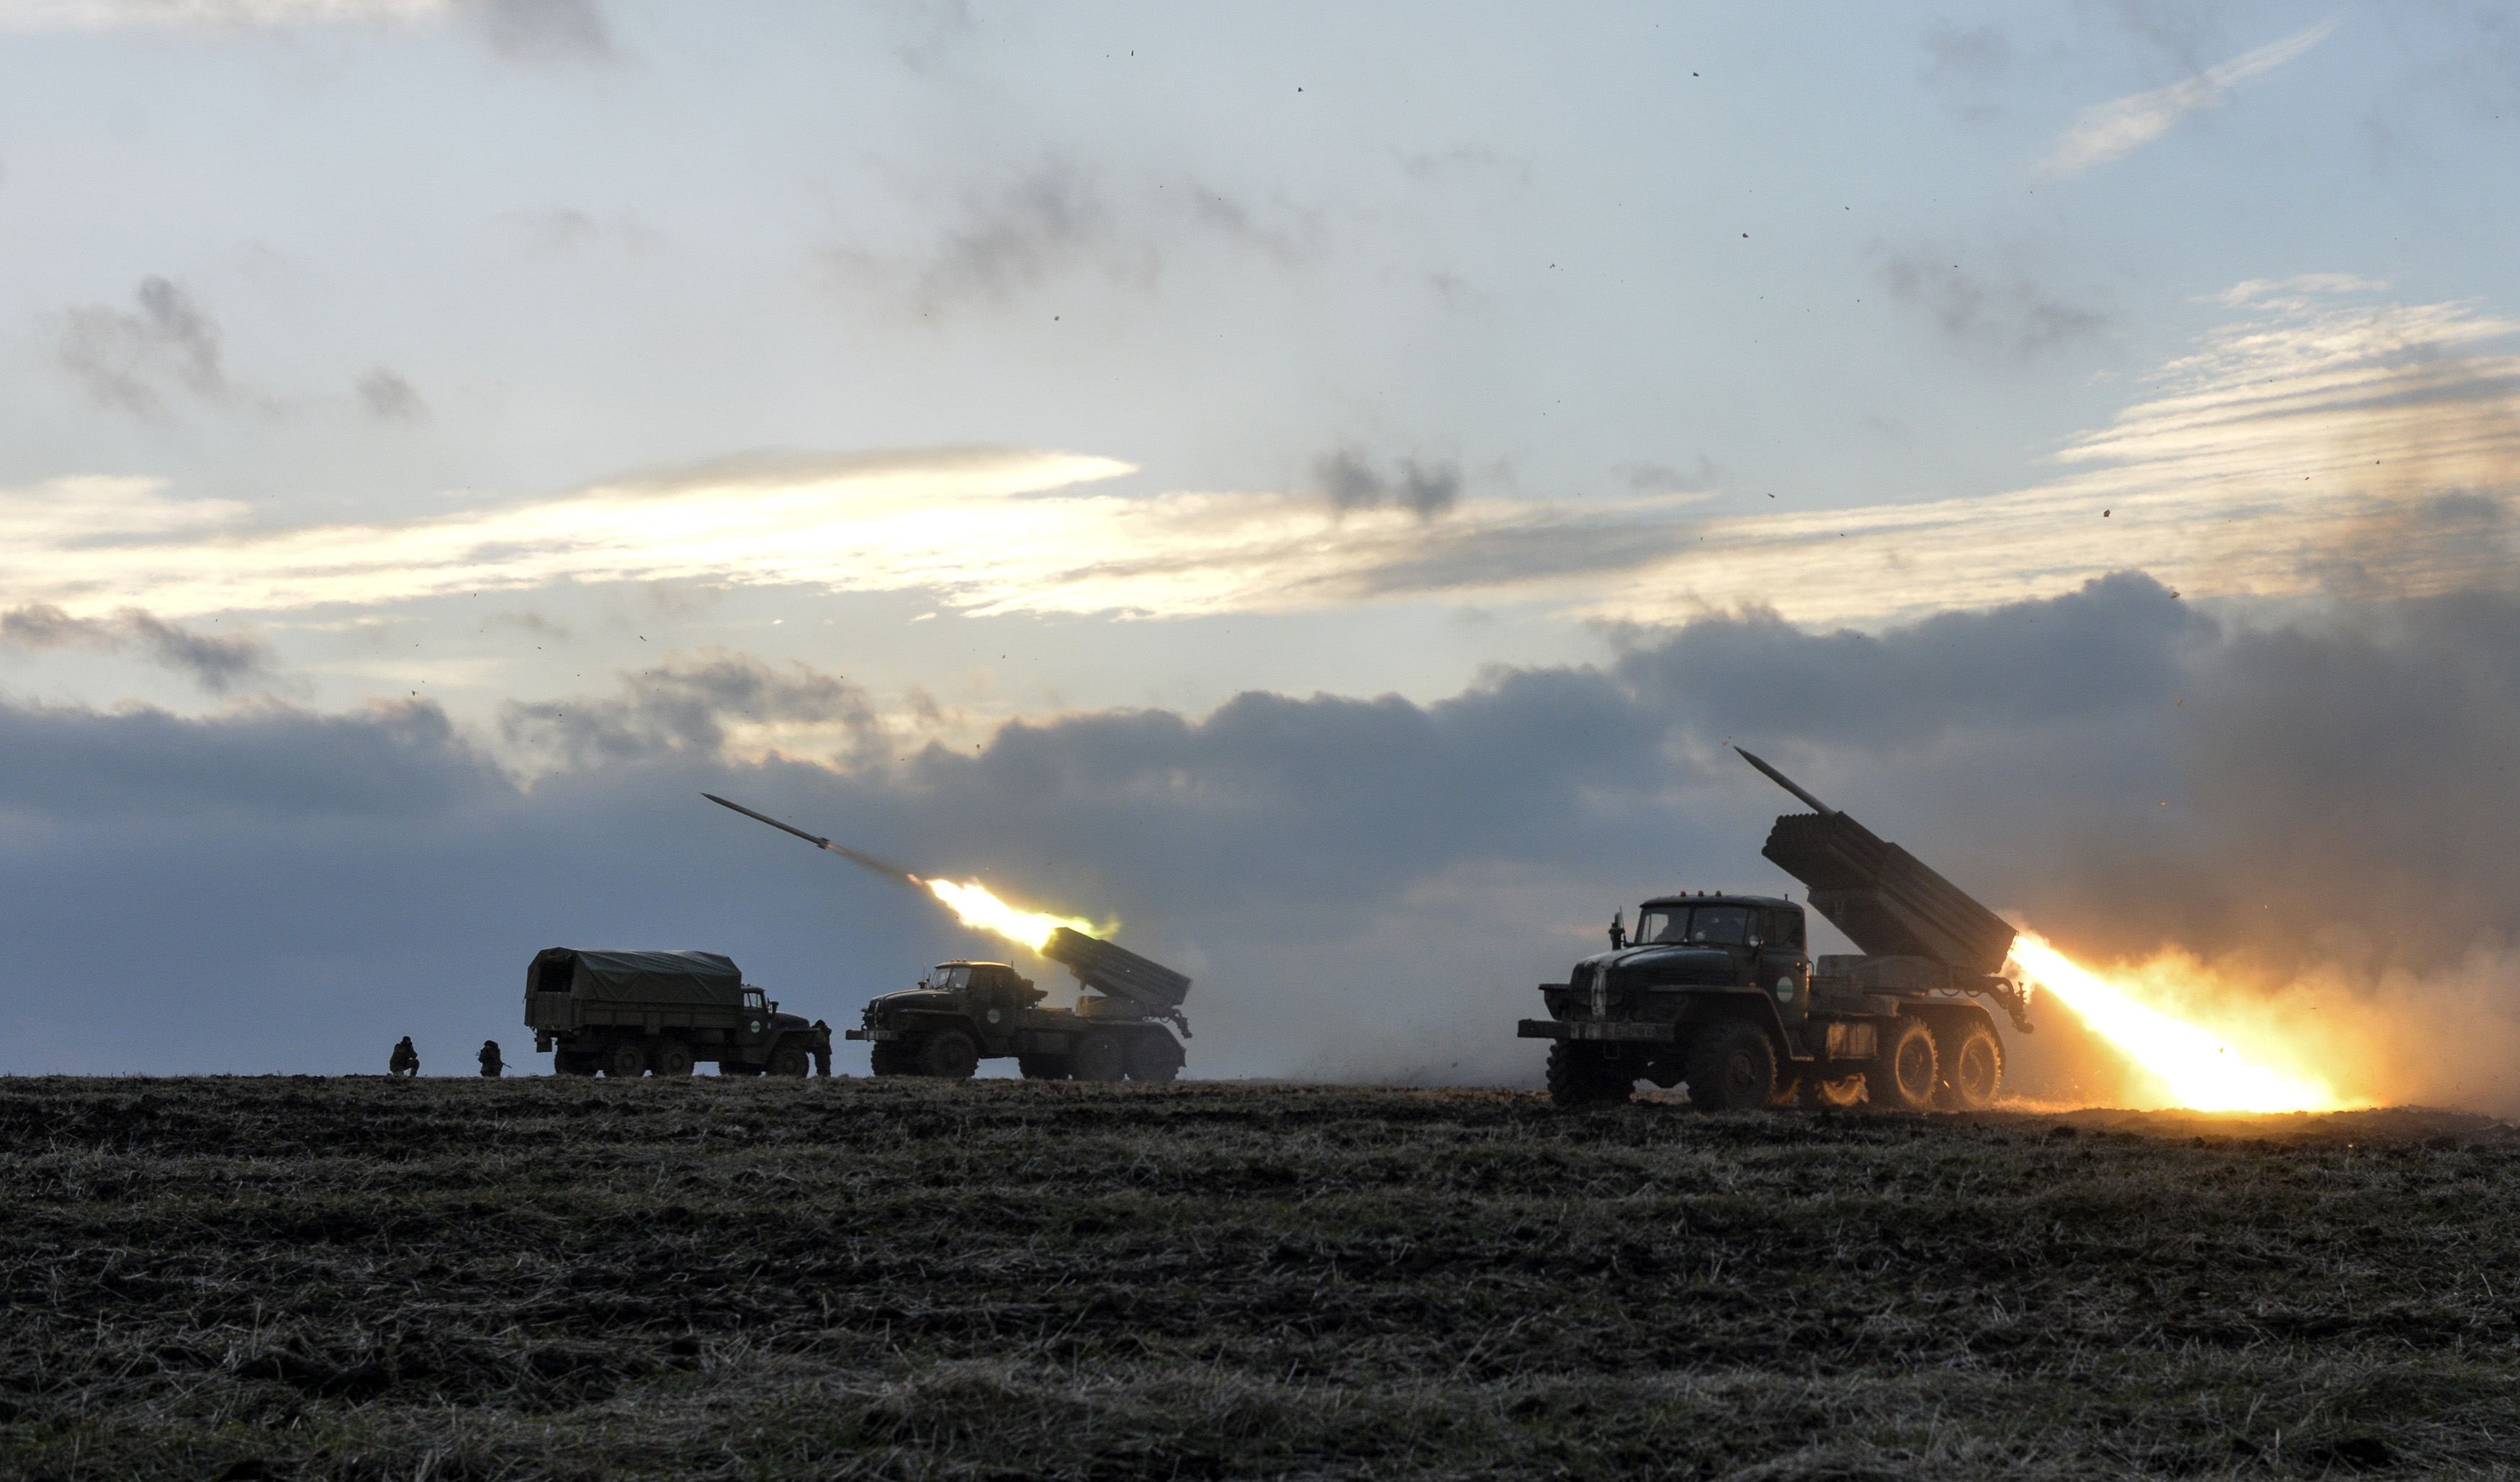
<point x="978" y="907"/>
<point x="2200" y="1069"/>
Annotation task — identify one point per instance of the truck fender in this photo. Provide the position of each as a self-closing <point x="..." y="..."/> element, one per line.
<point x="1758" y="1006"/>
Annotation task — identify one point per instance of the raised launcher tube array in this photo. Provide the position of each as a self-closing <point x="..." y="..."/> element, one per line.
<point x="1891" y="905"/>
<point x="1148" y="988"/>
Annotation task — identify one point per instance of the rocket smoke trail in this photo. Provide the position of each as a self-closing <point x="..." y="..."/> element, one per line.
<point x="880" y="867"/>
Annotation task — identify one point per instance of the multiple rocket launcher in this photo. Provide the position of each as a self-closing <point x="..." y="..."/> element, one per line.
<point x="1100" y="967"/>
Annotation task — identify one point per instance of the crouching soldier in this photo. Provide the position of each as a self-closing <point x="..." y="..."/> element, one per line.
<point x="406" y="1059"/>
<point x="491" y="1065"/>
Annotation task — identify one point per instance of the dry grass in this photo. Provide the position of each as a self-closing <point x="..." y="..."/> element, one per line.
<point x="729" y="1278"/>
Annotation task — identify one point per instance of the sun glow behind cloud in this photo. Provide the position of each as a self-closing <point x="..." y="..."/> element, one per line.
<point x="2326" y="437"/>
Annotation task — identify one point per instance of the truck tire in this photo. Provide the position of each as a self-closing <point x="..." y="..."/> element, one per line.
<point x="574" y="1062"/>
<point x="1155" y="1057"/>
<point x="1099" y="1057"/>
<point x="788" y="1058"/>
<point x="1903" y="1077"/>
<point x="672" y="1058"/>
<point x="949" y="1057"/>
<point x="1042" y="1067"/>
<point x="1845" y="1091"/>
<point x="1971" y="1060"/>
<point x="1578" y="1076"/>
<point x="624" y="1060"/>
<point x="893" y="1057"/>
<point x="1733" y="1067"/>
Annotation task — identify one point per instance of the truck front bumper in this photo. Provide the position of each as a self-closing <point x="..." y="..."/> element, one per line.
<point x="876" y="1034"/>
<point x="1594" y="1029"/>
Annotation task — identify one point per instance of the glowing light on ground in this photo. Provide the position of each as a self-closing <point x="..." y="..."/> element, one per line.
<point x="979" y="908"/>
<point x="2201" y="1071"/>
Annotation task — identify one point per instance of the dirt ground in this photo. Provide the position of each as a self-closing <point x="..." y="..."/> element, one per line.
<point x="449" y="1278"/>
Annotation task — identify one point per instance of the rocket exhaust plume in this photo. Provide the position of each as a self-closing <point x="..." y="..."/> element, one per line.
<point x="972" y="903"/>
<point x="2200" y="1069"/>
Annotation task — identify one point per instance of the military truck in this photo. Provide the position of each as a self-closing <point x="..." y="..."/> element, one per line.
<point x="1718" y="992"/>
<point x="964" y="1011"/>
<point x="630" y="1014"/>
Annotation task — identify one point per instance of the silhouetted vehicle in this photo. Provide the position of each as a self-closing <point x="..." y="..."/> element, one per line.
<point x="629" y="1014"/>
<point x="964" y="1012"/>
<point x="1718" y="992"/>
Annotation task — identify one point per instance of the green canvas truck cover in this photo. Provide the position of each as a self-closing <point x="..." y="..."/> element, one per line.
<point x="642" y="978"/>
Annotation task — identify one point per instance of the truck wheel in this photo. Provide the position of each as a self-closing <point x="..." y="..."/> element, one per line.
<point x="672" y="1058"/>
<point x="1155" y="1056"/>
<point x="1732" y="1068"/>
<point x="1099" y="1056"/>
<point x="1972" y="1066"/>
<point x="1578" y="1076"/>
<point x="626" y="1060"/>
<point x="1903" y="1077"/>
<point x="1845" y="1091"/>
<point x="788" y="1058"/>
<point x="574" y="1062"/>
<point x="893" y="1058"/>
<point x="949" y="1057"/>
<point x="1042" y="1067"/>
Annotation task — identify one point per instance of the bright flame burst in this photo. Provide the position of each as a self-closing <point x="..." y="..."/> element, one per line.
<point x="2202" y="1071"/>
<point x="980" y="907"/>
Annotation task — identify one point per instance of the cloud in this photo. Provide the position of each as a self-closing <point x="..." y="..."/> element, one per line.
<point x="130" y="359"/>
<point x="2110" y="129"/>
<point x="389" y="397"/>
<point x="1361" y="888"/>
<point x="1965" y="56"/>
<point x="703" y="705"/>
<point x="219" y="664"/>
<point x="545" y="30"/>
<point x="2011" y="319"/>
<point x="1350" y="483"/>
<point x="2324" y="441"/>
<point x="1059" y="221"/>
<point x="529" y="31"/>
<point x="110" y="15"/>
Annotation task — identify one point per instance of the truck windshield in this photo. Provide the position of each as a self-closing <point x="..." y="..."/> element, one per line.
<point x="1698" y="926"/>
<point x="950" y="978"/>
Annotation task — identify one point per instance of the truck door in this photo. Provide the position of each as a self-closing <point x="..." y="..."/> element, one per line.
<point x="1784" y="968"/>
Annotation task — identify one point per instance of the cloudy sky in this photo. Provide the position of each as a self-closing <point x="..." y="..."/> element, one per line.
<point x="1318" y="483"/>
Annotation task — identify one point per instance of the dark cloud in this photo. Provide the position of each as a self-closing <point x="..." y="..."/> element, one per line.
<point x="389" y="397"/>
<point x="1361" y="888"/>
<point x="1967" y="56"/>
<point x="545" y="30"/>
<point x="2005" y="316"/>
<point x="130" y="359"/>
<point x="684" y="706"/>
<point x="1350" y="482"/>
<point x="1062" y="219"/>
<point x="219" y="663"/>
<point x="1701" y="476"/>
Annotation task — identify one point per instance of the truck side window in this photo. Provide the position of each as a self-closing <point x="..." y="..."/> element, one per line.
<point x="1785" y="930"/>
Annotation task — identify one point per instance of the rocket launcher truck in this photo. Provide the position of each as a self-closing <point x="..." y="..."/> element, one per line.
<point x="965" y="1011"/>
<point x="1719" y="992"/>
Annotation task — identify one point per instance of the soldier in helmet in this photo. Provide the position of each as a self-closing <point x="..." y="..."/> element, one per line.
<point x="491" y="1065"/>
<point x="406" y="1059"/>
<point x="822" y="1048"/>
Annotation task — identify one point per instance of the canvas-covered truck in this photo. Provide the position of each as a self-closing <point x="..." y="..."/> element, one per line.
<point x="1719" y="992"/>
<point x="964" y="1011"/>
<point x="632" y="1014"/>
